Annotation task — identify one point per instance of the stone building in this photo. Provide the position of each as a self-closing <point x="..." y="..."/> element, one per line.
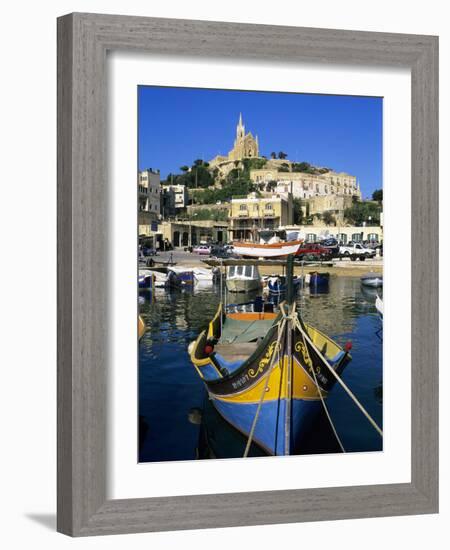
<point x="149" y="200"/>
<point x="304" y="185"/>
<point x="173" y="199"/>
<point x="191" y="233"/>
<point x="335" y="204"/>
<point x="250" y="214"/>
<point x="343" y="233"/>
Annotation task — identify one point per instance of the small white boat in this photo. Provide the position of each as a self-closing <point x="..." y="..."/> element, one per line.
<point x="198" y="275"/>
<point x="379" y="305"/>
<point x="266" y="250"/>
<point x="203" y="275"/>
<point x="373" y="280"/>
<point x="243" y="278"/>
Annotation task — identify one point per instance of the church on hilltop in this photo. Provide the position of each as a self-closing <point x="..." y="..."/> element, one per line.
<point x="245" y="146"/>
<point x="325" y="188"/>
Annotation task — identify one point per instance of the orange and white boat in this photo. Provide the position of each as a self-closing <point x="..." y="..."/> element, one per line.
<point x="266" y="250"/>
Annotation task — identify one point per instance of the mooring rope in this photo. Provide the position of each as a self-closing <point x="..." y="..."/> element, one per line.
<point x="339" y="379"/>
<point x="281" y="328"/>
<point x="323" y="402"/>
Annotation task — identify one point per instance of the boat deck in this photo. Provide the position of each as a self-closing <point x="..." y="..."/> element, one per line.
<point x="236" y="331"/>
<point x="233" y="353"/>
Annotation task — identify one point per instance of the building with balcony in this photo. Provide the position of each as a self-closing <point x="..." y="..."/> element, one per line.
<point x="304" y="185"/>
<point x="250" y="214"/>
<point x="149" y="200"/>
<point x="173" y="199"/>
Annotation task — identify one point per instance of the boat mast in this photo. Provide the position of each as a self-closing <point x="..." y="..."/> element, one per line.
<point x="287" y="359"/>
<point x="290" y="279"/>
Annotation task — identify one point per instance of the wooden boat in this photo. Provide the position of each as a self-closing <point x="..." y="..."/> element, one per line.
<point x="243" y="278"/>
<point x="267" y="373"/>
<point x="373" y="280"/>
<point x="266" y="250"/>
<point x="141" y="327"/>
<point x="318" y="279"/>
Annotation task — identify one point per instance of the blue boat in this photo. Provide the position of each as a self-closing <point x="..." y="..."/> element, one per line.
<point x="319" y="279"/>
<point x="278" y="285"/>
<point x="145" y="281"/>
<point x="162" y="278"/>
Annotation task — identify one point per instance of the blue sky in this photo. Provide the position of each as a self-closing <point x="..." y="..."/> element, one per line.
<point x="179" y="125"/>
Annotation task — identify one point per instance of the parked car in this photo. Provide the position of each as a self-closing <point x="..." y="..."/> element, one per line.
<point x="312" y="251"/>
<point x="356" y="251"/>
<point x="332" y="245"/>
<point x="203" y="250"/>
<point x="223" y="253"/>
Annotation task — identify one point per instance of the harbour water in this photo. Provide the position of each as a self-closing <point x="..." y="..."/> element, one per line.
<point x="175" y="419"/>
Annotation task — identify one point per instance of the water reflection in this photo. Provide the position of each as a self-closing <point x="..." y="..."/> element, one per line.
<point x="170" y="389"/>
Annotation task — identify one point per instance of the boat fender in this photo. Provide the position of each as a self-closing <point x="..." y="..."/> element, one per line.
<point x="348" y="346"/>
<point x="209" y="347"/>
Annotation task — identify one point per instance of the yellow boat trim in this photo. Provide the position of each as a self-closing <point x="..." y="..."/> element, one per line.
<point x="303" y="386"/>
<point x="141" y="327"/>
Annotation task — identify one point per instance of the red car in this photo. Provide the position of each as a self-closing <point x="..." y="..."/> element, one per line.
<point x="312" y="251"/>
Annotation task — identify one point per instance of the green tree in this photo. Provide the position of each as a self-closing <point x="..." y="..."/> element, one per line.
<point x="184" y="168"/>
<point x="328" y="218"/>
<point x="298" y="212"/>
<point x="302" y="166"/>
<point x="377" y="195"/>
<point x="361" y="212"/>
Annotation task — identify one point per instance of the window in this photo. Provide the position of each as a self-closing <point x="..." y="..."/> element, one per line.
<point x="310" y="237"/>
<point x="242" y="207"/>
<point x="269" y="206"/>
<point x="342" y="237"/>
<point x="239" y="270"/>
<point x="231" y="271"/>
<point x="372" y="237"/>
<point x="248" y="271"/>
<point x="356" y="237"/>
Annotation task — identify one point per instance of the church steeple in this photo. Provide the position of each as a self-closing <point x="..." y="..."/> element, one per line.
<point x="240" y="129"/>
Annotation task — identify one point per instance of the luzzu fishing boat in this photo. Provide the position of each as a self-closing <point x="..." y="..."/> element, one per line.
<point x="267" y="373"/>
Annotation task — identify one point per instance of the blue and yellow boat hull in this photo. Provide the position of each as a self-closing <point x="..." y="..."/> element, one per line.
<point x="269" y="378"/>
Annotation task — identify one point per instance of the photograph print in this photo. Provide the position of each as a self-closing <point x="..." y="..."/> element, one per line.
<point x="260" y="273"/>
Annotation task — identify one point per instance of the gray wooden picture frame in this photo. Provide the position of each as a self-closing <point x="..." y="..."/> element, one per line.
<point x="83" y="42"/>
